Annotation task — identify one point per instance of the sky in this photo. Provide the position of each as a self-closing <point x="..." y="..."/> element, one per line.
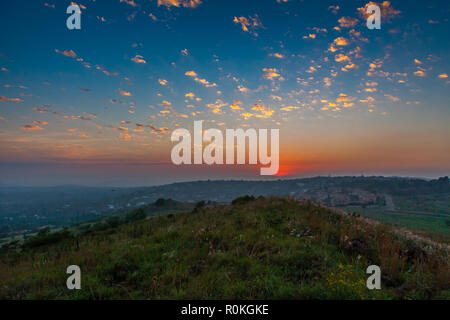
<point x="97" y="106"/>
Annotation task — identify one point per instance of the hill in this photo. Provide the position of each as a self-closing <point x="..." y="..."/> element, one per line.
<point x="264" y="248"/>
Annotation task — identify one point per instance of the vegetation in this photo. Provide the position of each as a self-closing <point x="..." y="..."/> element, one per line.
<point x="433" y="226"/>
<point x="264" y="248"/>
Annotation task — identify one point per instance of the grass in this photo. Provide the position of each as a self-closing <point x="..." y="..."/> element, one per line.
<point x="435" y="203"/>
<point x="435" y="227"/>
<point x="265" y="248"/>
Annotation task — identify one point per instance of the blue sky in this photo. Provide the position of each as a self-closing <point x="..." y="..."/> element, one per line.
<point x="345" y="98"/>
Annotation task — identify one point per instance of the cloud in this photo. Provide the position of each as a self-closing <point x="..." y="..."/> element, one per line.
<point x="37" y="109"/>
<point x="179" y="3"/>
<point x="5" y="99"/>
<point x="417" y="61"/>
<point x="191" y="74"/>
<point x="204" y="82"/>
<point x="271" y="73"/>
<point x="67" y="53"/>
<point x="124" y="93"/>
<point x="138" y="59"/>
<point x="443" y="76"/>
<point x="276" y="55"/>
<point x="43" y="123"/>
<point x="79" y="5"/>
<point x="130" y="2"/>
<point x="162" y="82"/>
<point x="249" y="24"/>
<point x="340" y="41"/>
<point x="334" y="9"/>
<point x="310" y="36"/>
<point x="387" y="12"/>
<point x="393" y="98"/>
<point x="29" y="127"/>
<point x="243" y="89"/>
<point x="276" y="98"/>
<point x="236" y="105"/>
<point x="341" y="57"/>
<point x="420" y="73"/>
<point x="289" y="108"/>
<point x="349" y="66"/>
<point x="347" y="22"/>
<point x="311" y="69"/>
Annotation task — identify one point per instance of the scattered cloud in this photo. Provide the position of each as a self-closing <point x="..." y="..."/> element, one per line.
<point x="204" y="82"/>
<point x="29" y="127"/>
<point x="138" y="59"/>
<point x="387" y="12"/>
<point x="347" y="22"/>
<point x="5" y="99"/>
<point x="124" y="93"/>
<point x="249" y="24"/>
<point x="340" y="41"/>
<point x="420" y="73"/>
<point x="67" y="53"/>
<point x="271" y="73"/>
<point x="180" y="3"/>
<point x="334" y="9"/>
<point x="277" y="55"/>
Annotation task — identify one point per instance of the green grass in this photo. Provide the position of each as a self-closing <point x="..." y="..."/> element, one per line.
<point x="268" y="248"/>
<point x="435" y="203"/>
<point x="434" y="226"/>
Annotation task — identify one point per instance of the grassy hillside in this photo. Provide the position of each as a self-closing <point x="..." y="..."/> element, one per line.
<point x="268" y="248"/>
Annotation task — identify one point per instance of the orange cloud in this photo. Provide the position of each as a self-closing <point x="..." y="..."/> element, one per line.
<point x="341" y="41"/>
<point x="179" y="3"/>
<point x="249" y="24"/>
<point x="67" y="53"/>
<point x="387" y="12"/>
<point x="138" y="59"/>
<point x="271" y="73"/>
<point x="16" y="100"/>
<point x="347" y="22"/>
<point x="29" y="127"/>
<point x="124" y="93"/>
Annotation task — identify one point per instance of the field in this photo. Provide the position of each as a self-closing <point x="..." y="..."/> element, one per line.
<point x="433" y="203"/>
<point x="433" y="226"/>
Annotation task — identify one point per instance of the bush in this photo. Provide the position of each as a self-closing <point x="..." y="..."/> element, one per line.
<point x="243" y="200"/>
<point x="135" y="215"/>
<point x="46" y="238"/>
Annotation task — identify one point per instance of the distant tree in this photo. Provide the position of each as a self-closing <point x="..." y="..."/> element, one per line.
<point x="443" y="180"/>
<point x="135" y="215"/>
<point x="160" y="202"/>
<point x="242" y="200"/>
<point x="114" y="221"/>
<point x="44" y="231"/>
